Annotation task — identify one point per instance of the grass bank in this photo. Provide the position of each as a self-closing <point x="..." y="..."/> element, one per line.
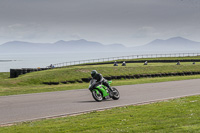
<point x="33" y="82"/>
<point x="25" y="89"/>
<point x="75" y="73"/>
<point x="178" y="115"/>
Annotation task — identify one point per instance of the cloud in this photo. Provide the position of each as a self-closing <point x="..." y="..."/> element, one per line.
<point x="19" y="31"/>
<point x="146" y="32"/>
<point x="107" y="21"/>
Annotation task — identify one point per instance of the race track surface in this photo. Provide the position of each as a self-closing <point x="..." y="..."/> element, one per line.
<point x="18" y="108"/>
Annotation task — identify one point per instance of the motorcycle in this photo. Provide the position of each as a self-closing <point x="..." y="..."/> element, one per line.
<point x="101" y="92"/>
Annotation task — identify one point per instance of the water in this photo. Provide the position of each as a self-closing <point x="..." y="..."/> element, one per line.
<point x="34" y="60"/>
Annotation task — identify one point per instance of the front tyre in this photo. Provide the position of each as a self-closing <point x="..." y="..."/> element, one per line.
<point x="97" y="95"/>
<point x="116" y="95"/>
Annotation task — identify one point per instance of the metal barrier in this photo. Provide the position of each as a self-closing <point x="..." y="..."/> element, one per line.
<point x="124" y="57"/>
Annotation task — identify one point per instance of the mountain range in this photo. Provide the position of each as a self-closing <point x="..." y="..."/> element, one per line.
<point x="175" y="43"/>
<point x="59" y="46"/>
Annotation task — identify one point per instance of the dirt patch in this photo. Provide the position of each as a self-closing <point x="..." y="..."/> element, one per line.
<point x="83" y="71"/>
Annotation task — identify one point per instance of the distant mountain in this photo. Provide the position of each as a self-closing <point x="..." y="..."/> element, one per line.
<point x="171" y="44"/>
<point x="19" y="46"/>
<point x="59" y="46"/>
<point x="175" y="43"/>
<point x="78" y="43"/>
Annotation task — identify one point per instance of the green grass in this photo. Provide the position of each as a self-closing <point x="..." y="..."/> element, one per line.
<point x="32" y="82"/>
<point x="25" y="89"/>
<point x="178" y="115"/>
<point x="78" y="72"/>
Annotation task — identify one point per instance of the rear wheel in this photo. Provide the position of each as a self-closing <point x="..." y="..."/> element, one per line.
<point x="116" y="95"/>
<point x="97" y="95"/>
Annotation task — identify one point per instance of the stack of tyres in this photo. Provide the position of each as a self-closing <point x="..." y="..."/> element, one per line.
<point x="24" y="70"/>
<point x="15" y="73"/>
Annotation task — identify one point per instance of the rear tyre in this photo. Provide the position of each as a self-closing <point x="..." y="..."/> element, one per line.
<point x="97" y="96"/>
<point x="116" y="95"/>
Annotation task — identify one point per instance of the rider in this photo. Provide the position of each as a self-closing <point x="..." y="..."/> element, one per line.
<point x="99" y="78"/>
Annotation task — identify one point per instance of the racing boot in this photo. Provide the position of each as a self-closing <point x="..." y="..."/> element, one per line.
<point x="110" y="91"/>
<point x="109" y="88"/>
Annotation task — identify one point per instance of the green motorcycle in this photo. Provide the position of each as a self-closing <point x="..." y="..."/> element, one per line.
<point x="101" y="92"/>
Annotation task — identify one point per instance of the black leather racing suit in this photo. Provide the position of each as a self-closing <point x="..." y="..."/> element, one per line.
<point x="100" y="79"/>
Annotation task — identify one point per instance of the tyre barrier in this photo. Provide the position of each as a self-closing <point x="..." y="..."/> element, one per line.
<point x="71" y="81"/>
<point x="87" y="80"/>
<point x="24" y="70"/>
<point x="136" y="76"/>
<point x="113" y="77"/>
<point x="51" y="83"/>
<point x="123" y="77"/>
<point x="14" y="73"/>
<point x="118" y="77"/>
<point x="54" y="83"/>
<point x="79" y="81"/>
<point x="108" y="78"/>
<point x="64" y="82"/>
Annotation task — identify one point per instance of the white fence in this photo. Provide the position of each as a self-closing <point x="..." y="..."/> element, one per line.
<point x="124" y="57"/>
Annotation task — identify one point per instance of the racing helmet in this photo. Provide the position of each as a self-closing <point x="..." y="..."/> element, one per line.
<point x="93" y="73"/>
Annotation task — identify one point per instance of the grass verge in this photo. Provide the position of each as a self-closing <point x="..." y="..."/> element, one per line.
<point x="178" y="115"/>
<point x="14" y="90"/>
<point x="33" y="82"/>
<point x="75" y="73"/>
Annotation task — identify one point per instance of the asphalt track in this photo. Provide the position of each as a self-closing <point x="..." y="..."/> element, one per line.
<point x="18" y="108"/>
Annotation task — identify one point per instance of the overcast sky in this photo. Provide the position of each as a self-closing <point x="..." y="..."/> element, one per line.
<point x="129" y="22"/>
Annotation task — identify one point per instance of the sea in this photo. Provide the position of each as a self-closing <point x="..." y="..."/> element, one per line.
<point x="34" y="60"/>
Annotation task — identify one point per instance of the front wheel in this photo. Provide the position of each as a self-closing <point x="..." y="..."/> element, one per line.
<point x="115" y="94"/>
<point x="97" y="95"/>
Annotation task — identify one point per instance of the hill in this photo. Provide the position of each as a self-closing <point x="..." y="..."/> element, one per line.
<point x="175" y="43"/>
<point x="59" y="46"/>
<point x="171" y="44"/>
